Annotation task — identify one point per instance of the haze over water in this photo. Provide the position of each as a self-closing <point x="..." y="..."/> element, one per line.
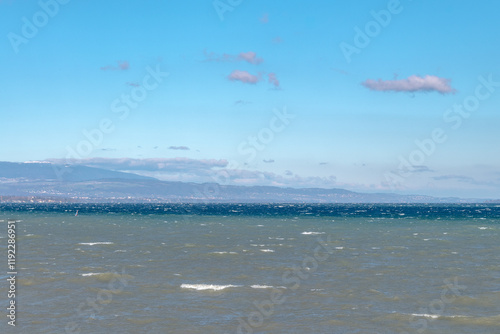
<point x="256" y="268"/>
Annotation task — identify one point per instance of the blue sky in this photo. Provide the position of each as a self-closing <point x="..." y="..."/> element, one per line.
<point x="233" y="66"/>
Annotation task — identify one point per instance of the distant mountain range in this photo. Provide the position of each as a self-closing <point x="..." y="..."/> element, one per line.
<point x="52" y="182"/>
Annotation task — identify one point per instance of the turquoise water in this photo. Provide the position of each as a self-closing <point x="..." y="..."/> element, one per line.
<point x="255" y="269"/>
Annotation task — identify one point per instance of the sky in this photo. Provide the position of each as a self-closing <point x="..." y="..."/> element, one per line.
<point x="371" y="96"/>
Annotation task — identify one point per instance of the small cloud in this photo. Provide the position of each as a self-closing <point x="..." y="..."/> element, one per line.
<point x="467" y="179"/>
<point x="108" y="149"/>
<point x="270" y="161"/>
<point x="277" y="40"/>
<point x="414" y="83"/>
<point x="212" y="56"/>
<point x="155" y="148"/>
<point x="122" y="66"/>
<point x="133" y="84"/>
<point x="323" y="163"/>
<point x="250" y="57"/>
<point x="288" y="173"/>
<point x="460" y="178"/>
<point x="421" y="169"/>
<point x="265" y="18"/>
<point x="273" y="80"/>
<point x="242" y="102"/>
<point x="183" y="148"/>
<point x="340" y="71"/>
<point x="244" y="77"/>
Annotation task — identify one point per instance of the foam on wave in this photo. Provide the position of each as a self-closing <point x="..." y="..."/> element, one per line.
<point x="312" y="233"/>
<point x="213" y="287"/>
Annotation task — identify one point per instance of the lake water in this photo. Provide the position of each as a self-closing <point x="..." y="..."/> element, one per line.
<point x="254" y="268"/>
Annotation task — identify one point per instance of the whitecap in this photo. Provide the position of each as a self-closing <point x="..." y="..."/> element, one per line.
<point x="267" y="250"/>
<point x="90" y="274"/>
<point x="213" y="287"/>
<point x="96" y="243"/>
<point x="312" y="233"/>
<point x="425" y="315"/>
<point x="257" y="286"/>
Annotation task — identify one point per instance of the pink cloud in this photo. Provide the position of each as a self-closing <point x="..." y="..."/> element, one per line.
<point x="273" y="80"/>
<point x="340" y="71"/>
<point x="122" y="66"/>
<point x="264" y="18"/>
<point x="250" y="57"/>
<point x="413" y="83"/>
<point x="212" y="56"/>
<point x="244" y="77"/>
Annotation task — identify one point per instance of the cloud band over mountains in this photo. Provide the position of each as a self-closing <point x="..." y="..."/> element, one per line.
<point x="200" y="170"/>
<point x="153" y="164"/>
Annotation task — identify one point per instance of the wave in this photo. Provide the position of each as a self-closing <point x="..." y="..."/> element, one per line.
<point x="312" y="233"/>
<point x="258" y="286"/>
<point x="462" y="319"/>
<point x="106" y="277"/>
<point x="425" y="315"/>
<point x="216" y="287"/>
<point x="91" y="274"/>
<point x="213" y="287"/>
<point x="96" y="243"/>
